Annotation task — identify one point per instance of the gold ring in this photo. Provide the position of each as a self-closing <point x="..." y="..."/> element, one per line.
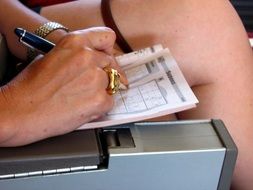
<point x="114" y="80"/>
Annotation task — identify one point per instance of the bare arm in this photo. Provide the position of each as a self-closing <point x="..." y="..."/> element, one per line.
<point x="14" y="14"/>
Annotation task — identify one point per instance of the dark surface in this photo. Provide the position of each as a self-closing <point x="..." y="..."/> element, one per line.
<point x="230" y="157"/>
<point x="79" y="148"/>
<point x="245" y="11"/>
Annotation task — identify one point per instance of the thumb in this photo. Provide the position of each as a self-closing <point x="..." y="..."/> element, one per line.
<point x="100" y="38"/>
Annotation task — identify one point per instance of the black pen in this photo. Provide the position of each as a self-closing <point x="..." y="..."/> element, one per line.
<point x="33" y="41"/>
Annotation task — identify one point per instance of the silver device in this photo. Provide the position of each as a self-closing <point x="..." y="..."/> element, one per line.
<point x="179" y="155"/>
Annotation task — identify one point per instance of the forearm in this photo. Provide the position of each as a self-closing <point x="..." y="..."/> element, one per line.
<point x="14" y="14"/>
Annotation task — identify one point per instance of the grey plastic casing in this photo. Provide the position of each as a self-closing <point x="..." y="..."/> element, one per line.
<point x="150" y="155"/>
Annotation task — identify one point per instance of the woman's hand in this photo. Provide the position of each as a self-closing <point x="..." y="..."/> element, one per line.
<point x="60" y="91"/>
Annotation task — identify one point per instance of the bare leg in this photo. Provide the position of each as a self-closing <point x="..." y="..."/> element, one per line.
<point x="210" y="45"/>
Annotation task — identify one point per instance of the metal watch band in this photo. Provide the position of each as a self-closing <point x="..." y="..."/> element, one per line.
<point x="49" y="27"/>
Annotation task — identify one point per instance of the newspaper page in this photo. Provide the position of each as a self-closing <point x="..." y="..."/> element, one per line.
<point x="157" y="87"/>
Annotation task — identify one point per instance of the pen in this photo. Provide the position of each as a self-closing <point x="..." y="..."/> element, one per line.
<point x="33" y="41"/>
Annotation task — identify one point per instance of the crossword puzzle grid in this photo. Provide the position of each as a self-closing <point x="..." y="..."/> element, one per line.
<point x="141" y="98"/>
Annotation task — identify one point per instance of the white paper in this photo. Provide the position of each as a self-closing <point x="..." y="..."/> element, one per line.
<point x="157" y="87"/>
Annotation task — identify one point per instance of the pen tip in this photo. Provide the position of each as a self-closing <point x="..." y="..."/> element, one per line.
<point x="123" y="87"/>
